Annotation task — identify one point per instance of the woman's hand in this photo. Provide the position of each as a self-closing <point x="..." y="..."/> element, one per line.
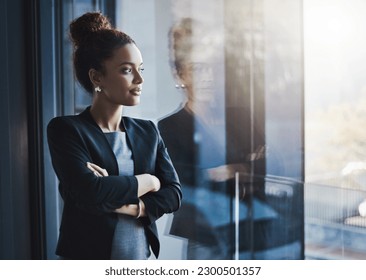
<point x="147" y="183"/>
<point x="132" y="210"/>
<point x="97" y="170"/>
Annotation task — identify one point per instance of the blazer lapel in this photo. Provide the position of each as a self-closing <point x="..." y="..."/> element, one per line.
<point x="105" y="152"/>
<point x="136" y="141"/>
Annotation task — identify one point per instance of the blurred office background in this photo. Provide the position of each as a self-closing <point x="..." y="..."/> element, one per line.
<point x="291" y="69"/>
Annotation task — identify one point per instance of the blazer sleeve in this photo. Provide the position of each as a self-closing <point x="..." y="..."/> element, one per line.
<point x="168" y="198"/>
<point x="79" y="185"/>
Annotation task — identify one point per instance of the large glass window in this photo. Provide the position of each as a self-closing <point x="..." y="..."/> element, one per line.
<point x="335" y="47"/>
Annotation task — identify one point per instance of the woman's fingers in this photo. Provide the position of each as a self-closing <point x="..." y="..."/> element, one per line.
<point x="98" y="171"/>
<point x="93" y="170"/>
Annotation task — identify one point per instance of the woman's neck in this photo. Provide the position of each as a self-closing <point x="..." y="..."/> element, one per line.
<point x="107" y="116"/>
<point x="203" y="113"/>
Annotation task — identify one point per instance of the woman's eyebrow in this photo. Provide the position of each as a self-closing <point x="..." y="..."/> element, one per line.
<point x="129" y="63"/>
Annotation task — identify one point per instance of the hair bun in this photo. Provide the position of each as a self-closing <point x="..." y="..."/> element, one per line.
<point x="88" y="24"/>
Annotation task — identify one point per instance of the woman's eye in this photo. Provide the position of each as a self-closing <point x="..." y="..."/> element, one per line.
<point x="126" y="70"/>
<point x="141" y="70"/>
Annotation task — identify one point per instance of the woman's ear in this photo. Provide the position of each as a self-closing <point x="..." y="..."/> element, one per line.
<point x="179" y="76"/>
<point x="183" y="77"/>
<point x="95" y="77"/>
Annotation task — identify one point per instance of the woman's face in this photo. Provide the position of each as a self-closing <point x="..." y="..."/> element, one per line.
<point x="122" y="80"/>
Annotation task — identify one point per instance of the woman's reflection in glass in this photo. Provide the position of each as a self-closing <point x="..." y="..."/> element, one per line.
<point x="195" y="138"/>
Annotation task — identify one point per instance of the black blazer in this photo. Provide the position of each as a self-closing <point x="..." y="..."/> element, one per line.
<point x="88" y="220"/>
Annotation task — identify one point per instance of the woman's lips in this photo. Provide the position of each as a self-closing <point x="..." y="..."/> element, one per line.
<point x="136" y="91"/>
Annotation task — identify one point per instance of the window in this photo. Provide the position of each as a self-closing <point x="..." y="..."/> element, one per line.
<point x="334" y="135"/>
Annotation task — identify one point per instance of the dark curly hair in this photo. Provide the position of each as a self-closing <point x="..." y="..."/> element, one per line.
<point x="94" y="41"/>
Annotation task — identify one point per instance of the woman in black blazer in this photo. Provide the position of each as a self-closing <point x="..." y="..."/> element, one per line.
<point x="116" y="177"/>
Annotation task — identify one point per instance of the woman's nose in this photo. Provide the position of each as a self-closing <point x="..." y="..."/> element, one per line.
<point x="138" y="79"/>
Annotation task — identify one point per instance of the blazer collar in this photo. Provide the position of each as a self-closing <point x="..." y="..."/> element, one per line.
<point x="88" y="117"/>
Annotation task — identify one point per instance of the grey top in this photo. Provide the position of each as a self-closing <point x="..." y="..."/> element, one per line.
<point x="129" y="241"/>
